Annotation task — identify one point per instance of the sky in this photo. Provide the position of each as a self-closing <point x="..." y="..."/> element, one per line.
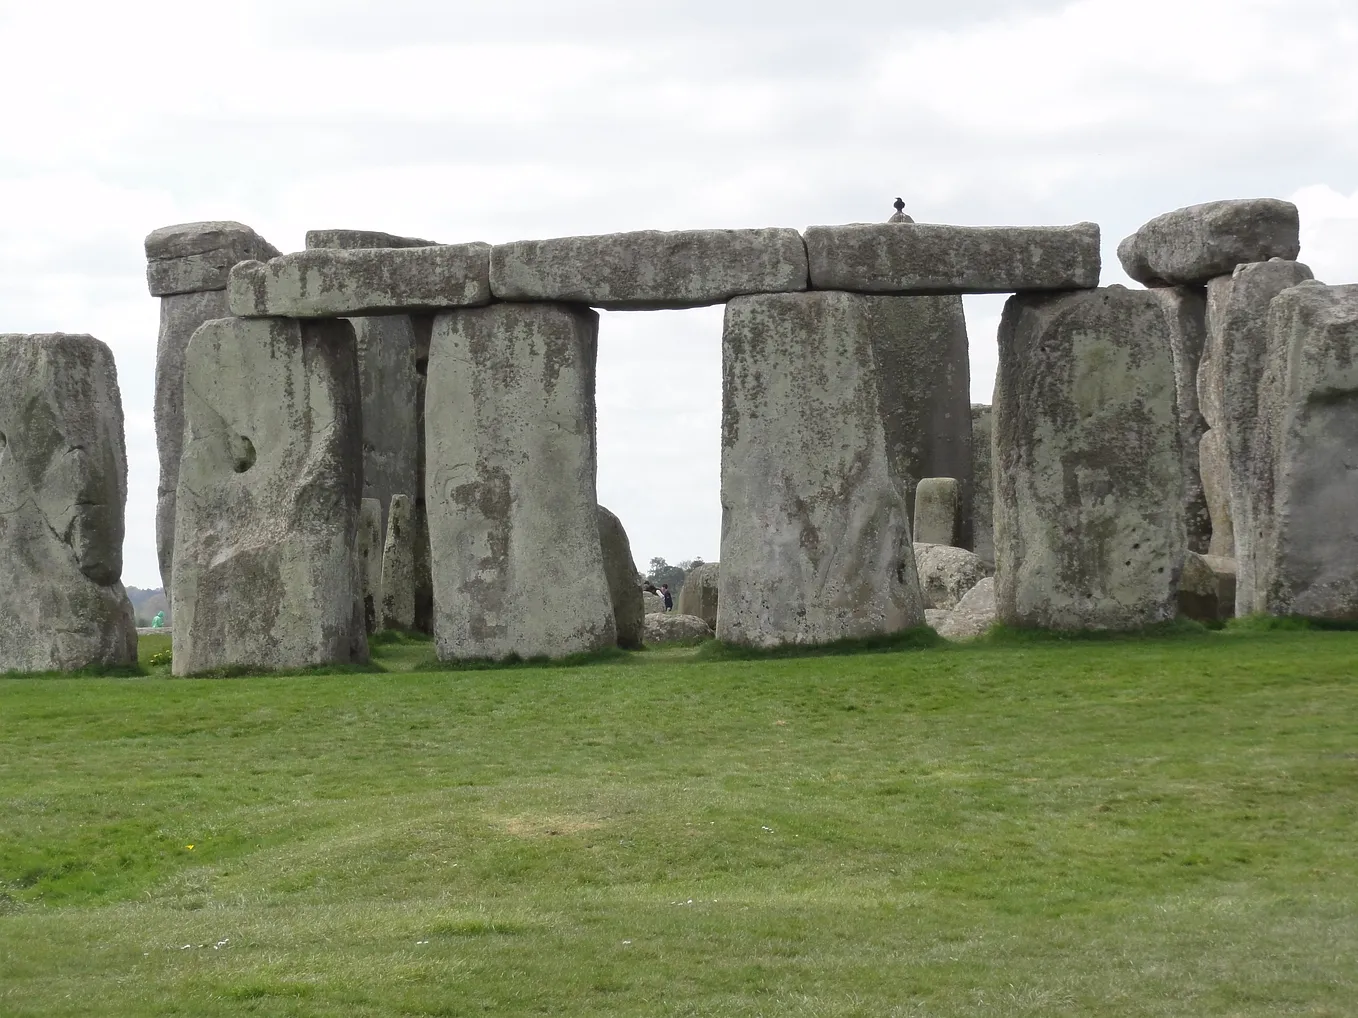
<point x="532" y="118"/>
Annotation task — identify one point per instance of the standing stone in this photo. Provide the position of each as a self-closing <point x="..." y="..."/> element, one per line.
<point x="624" y="591"/>
<point x="1198" y="243"/>
<point x="698" y="595"/>
<point x="946" y="573"/>
<point x="370" y="562"/>
<point x="982" y="485"/>
<point x="187" y="267"/>
<point x="63" y="489"/>
<point x="815" y="534"/>
<point x="1237" y="339"/>
<point x="1307" y="467"/>
<point x="514" y="535"/>
<point x="1089" y="513"/>
<point x="265" y="575"/>
<point x="1185" y="309"/>
<point x="937" y="508"/>
<point x="652" y="604"/>
<point x="424" y="576"/>
<point x="398" y="566"/>
<point x="1215" y="470"/>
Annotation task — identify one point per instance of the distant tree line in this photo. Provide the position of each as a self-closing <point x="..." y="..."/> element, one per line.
<point x="662" y="572"/>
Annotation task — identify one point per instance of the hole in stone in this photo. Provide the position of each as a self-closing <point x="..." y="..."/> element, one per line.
<point x="1137" y="546"/>
<point x="242" y="453"/>
<point x="422" y="366"/>
<point x="1127" y="563"/>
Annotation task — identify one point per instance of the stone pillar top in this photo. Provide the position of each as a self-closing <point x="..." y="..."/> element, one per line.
<point x="197" y="257"/>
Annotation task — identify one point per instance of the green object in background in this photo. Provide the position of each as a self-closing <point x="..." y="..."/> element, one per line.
<point x="158" y="621"/>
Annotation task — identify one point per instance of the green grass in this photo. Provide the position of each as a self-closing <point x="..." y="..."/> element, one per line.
<point x="1153" y="827"/>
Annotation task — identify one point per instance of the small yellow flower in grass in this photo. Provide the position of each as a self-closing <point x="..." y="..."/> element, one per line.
<point x="189" y="847"/>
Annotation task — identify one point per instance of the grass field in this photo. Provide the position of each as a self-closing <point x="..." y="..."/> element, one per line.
<point x="1160" y="827"/>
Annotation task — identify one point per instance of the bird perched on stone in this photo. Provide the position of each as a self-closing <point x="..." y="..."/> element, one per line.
<point x="898" y="205"/>
<point x="900" y="216"/>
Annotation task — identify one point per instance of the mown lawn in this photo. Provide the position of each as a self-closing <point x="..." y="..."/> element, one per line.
<point x="1139" y="828"/>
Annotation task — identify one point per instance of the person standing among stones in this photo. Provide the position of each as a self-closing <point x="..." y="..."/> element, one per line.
<point x="669" y="598"/>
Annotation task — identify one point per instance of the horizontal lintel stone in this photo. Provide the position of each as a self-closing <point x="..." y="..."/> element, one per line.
<point x="196" y="257"/>
<point x="330" y="283"/>
<point x="1198" y="243"/>
<point x="650" y="269"/>
<point x="931" y="258"/>
<point x="358" y="240"/>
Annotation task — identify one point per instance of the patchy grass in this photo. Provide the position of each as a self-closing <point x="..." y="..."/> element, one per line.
<point x="1152" y="827"/>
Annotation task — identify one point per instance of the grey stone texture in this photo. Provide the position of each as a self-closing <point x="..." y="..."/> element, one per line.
<point x="650" y="269"/>
<point x="1185" y="309"/>
<point x="946" y="573"/>
<point x="973" y="615"/>
<point x="398" y="565"/>
<point x="699" y="594"/>
<point x="1306" y="470"/>
<point x="1215" y="470"/>
<point x="357" y="240"/>
<point x="982" y="484"/>
<point x="1237" y="348"/>
<point x="196" y="257"/>
<point x="671" y="627"/>
<point x="1195" y="244"/>
<point x="369" y="551"/>
<point x="63" y="489"/>
<point x="815" y="535"/>
<point x="265" y="575"/>
<point x="929" y="258"/>
<point x="938" y="505"/>
<point x="329" y="282"/>
<point x="1089" y="511"/>
<point x="180" y="316"/>
<point x="652" y="604"/>
<point x="1207" y="588"/>
<point x="514" y="533"/>
<point x="624" y="590"/>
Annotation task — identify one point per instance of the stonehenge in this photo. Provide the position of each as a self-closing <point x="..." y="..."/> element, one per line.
<point x="938" y="511"/>
<point x="699" y="594"/>
<point x="398" y="566"/>
<point x="369" y="552"/>
<point x="624" y="590"/>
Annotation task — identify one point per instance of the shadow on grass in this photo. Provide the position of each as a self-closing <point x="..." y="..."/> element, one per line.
<point x="999" y="635"/>
<point x="607" y="656"/>
<point x="91" y="672"/>
<point x="919" y="638"/>
<point x="1289" y="624"/>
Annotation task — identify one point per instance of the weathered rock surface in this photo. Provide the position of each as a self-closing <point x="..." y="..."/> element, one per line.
<point x="1185" y="309"/>
<point x="623" y="589"/>
<point x="328" y="282"/>
<point x="1089" y="514"/>
<point x="180" y="316"/>
<point x="650" y="269"/>
<point x="1215" y="470"/>
<point x="1306" y="473"/>
<point x="974" y="614"/>
<point x="925" y="382"/>
<point x="398" y="565"/>
<point x="265" y="575"/>
<point x="928" y="258"/>
<point x="369" y="551"/>
<point x="195" y="257"/>
<point x="815" y="536"/>
<point x="1198" y="243"/>
<point x="63" y="488"/>
<point x="698" y="596"/>
<point x="983" y="485"/>
<point x="514" y="533"/>
<point x="357" y="240"/>
<point x="1237" y="348"/>
<point x="938" y="619"/>
<point x="937" y="509"/>
<point x="652" y="604"/>
<point x="947" y="573"/>
<point x="1207" y="588"/>
<point x="671" y="627"/>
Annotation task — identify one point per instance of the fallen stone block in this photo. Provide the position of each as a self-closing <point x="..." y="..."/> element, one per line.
<point x="947" y="573"/>
<point x="196" y="257"/>
<point x="974" y="614"/>
<point x="698" y="596"/>
<point x="650" y="269"/>
<point x="1307" y="551"/>
<point x="513" y="523"/>
<point x="334" y="283"/>
<point x="815" y="540"/>
<point x="671" y="627"/>
<point x="1089" y="512"/>
<point x="1237" y="348"/>
<point x="928" y="258"/>
<point x="265" y="575"/>
<point x="1200" y="242"/>
<point x="63" y="488"/>
<point x="1185" y="309"/>
<point x="623" y="589"/>
<point x="398" y="566"/>
<point x="937" y="509"/>
<point x="369" y="551"/>
<point x="983" y="485"/>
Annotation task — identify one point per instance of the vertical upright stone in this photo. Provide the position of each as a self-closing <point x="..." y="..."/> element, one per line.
<point x="1306" y="473"/>
<point x="370" y="563"/>
<point x="424" y="577"/>
<point x="398" y="565"/>
<point x="700" y="594"/>
<point x="1089" y="513"/>
<point x="937" y="511"/>
<point x="624" y="590"/>
<point x="982" y="485"/>
<point x="513" y="526"/>
<point x="1185" y="309"/>
<point x="63" y="489"/>
<point x="1215" y="470"/>
<point x="815" y="540"/>
<point x="265" y="575"/>
<point x="1237" y="343"/>
<point x="187" y="268"/>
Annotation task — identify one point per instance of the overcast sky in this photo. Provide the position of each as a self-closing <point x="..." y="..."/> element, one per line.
<point x="511" y="119"/>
